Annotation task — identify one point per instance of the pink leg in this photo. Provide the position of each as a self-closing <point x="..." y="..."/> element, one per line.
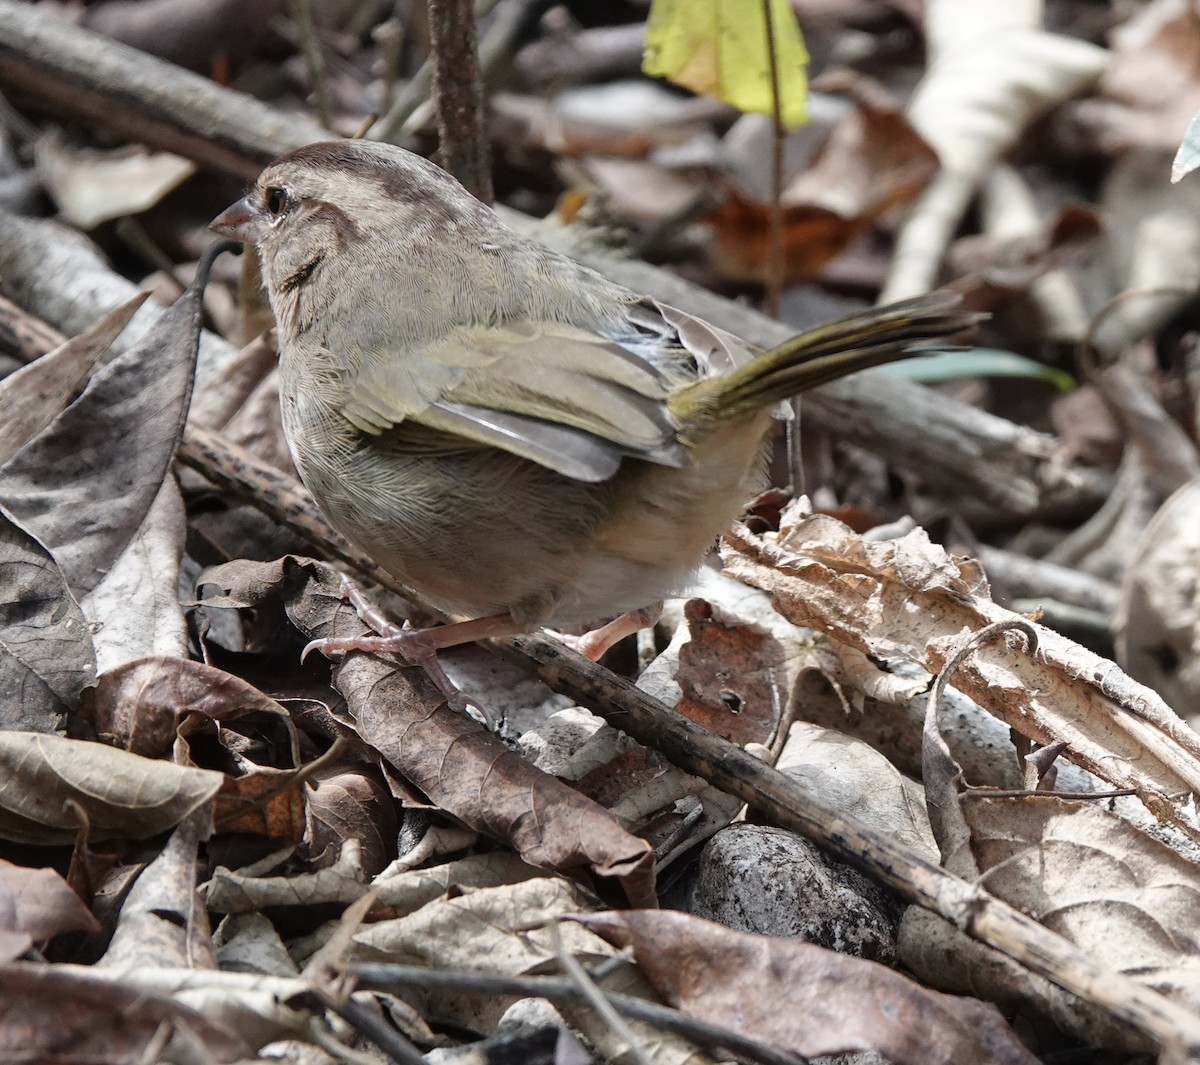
<point x="596" y="643"/>
<point x="416" y="646"/>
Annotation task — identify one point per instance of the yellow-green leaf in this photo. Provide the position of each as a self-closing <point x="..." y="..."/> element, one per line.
<point x="719" y="48"/>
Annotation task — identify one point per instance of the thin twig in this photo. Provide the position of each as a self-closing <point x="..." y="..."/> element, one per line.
<point x="374" y="977"/>
<point x="306" y="31"/>
<point x="458" y="90"/>
<point x="774" y="286"/>
<point x="596" y="998"/>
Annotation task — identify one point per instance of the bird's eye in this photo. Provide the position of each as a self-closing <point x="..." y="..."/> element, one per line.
<point x="276" y="201"/>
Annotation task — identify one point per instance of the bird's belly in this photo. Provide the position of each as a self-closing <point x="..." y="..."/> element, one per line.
<point x="483" y="532"/>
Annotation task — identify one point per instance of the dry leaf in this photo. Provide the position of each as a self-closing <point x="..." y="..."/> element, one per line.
<point x="46" y="653"/>
<point x="83" y="486"/>
<point x="36" y="905"/>
<point x="33" y="396"/>
<point x="68" y="1013"/>
<point x="835" y="1004"/>
<point x="908" y="599"/>
<point x="119" y="794"/>
<point x="464" y="769"/>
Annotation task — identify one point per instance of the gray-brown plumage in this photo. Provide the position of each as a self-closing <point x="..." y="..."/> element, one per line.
<point x="499" y="427"/>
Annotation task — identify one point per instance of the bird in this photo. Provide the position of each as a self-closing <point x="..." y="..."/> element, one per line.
<point x="521" y="440"/>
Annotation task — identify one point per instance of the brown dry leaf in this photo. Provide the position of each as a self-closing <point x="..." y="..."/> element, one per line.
<point x="42" y="779"/>
<point x="803" y="998"/>
<point x="142" y="705"/>
<point x="346" y="800"/>
<point x="728" y="677"/>
<point x="872" y="162"/>
<point x="33" y="396"/>
<point x="1084" y="872"/>
<point x="1000" y="267"/>
<point x="83" y="486"/>
<point x="908" y="599"/>
<point x="464" y="769"/>
<point x="162" y="921"/>
<point x="232" y="891"/>
<point x="64" y="1013"/>
<point x="263" y="801"/>
<point x="46" y="653"/>
<point x="35" y="905"/>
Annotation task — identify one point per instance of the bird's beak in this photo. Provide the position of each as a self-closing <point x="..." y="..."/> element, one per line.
<point x="241" y="221"/>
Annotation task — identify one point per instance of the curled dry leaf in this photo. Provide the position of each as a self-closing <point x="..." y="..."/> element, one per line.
<point x="350" y="800"/>
<point x="1084" y="872"/>
<point x="46" y="653"/>
<point x="908" y="599"/>
<point x="985" y="86"/>
<point x="141" y="705"/>
<point x="36" y="905"/>
<point x="464" y="769"/>
<point x="803" y="998"/>
<point x="47" y="783"/>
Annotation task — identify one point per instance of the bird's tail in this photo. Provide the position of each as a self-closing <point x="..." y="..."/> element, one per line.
<point x="820" y="355"/>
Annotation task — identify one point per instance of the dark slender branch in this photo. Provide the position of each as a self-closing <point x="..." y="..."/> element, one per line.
<point x="370" y="977"/>
<point x="458" y="90"/>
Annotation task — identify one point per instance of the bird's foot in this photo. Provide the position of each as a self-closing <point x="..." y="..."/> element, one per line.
<point x="418" y="647"/>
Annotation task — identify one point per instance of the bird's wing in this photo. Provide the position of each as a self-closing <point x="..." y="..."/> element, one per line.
<point x="567" y="398"/>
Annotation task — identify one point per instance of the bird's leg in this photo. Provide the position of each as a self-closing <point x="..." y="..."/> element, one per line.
<point x="416" y="646"/>
<point x="595" y="644"/>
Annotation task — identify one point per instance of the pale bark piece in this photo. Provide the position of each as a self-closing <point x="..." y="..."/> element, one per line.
<point x="1158" y="624"/>
<point x="463" y="768"/>
<point x="120" y="794"/>
<point x="46" y="653"/>
<point x="36" y="905"/>
<point x="908" y="599"/>
<point x="84" y="484"/>
<point x="802" y="998"/>
<point x="57" y="274"/>
<point x="992" y="74"/>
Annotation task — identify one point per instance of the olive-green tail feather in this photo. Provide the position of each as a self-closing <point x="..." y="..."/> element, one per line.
<point x="819" y="356"/>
